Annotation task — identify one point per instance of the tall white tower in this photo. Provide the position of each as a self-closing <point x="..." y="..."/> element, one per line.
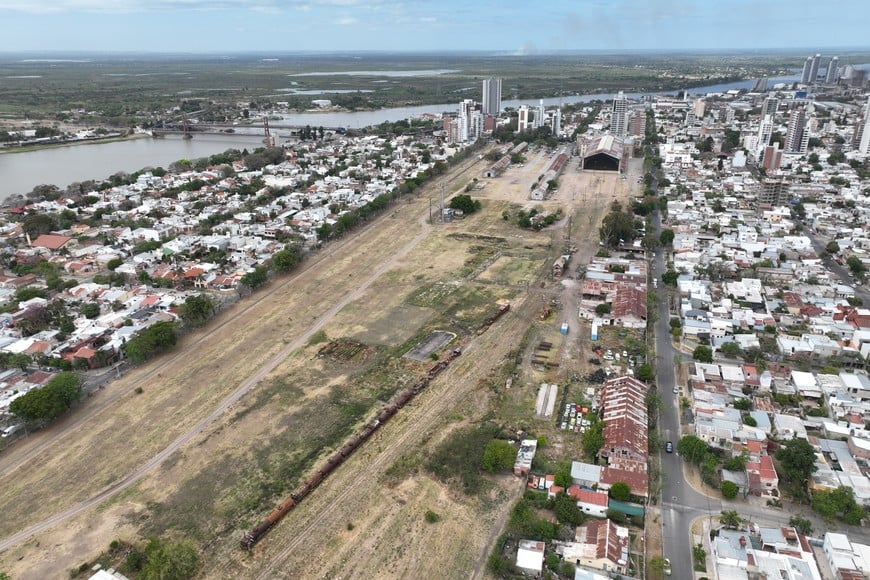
<point x="814" y="68"/>
<point x="765" y="131"/>
<point x="619" y="116"/>
<point x="864" y="144"/>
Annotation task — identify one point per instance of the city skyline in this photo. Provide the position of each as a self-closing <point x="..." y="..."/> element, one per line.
<point x="201" y="26"/>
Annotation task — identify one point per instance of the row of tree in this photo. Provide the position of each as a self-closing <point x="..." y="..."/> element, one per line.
<point x="41" y="405"/>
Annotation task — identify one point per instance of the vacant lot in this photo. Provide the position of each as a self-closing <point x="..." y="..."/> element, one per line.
<point x="387" y="288"/>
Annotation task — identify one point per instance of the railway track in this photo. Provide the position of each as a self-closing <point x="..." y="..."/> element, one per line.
<point x="448" y="388"/>
<point x="56" y="432"/>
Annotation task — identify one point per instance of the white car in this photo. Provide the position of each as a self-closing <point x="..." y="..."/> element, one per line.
<point x="676" y="389"/>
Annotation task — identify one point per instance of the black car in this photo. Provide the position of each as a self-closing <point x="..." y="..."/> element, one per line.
<point x="669" y="447"/>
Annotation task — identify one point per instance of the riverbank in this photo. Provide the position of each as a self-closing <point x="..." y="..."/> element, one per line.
<point x="55" y="145"/>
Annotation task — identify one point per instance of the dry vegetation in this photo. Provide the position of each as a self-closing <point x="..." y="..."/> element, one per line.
<point x="360" y="307"/>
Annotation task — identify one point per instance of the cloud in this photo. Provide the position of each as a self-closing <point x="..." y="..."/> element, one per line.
<point x="346" y="21"/>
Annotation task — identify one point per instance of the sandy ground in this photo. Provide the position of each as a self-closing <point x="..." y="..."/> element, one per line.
<point x="359" y="289"/>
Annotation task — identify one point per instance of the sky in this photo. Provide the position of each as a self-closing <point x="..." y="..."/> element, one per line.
<point x="230" y="26"/>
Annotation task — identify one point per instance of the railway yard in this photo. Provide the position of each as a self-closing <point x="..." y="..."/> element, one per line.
<point x="248" y="409"/>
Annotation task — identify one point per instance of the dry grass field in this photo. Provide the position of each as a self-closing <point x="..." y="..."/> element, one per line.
<point x="229" y="423"/>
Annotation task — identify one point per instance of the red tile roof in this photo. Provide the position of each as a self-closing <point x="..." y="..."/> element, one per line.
<point x="51" y="241"/>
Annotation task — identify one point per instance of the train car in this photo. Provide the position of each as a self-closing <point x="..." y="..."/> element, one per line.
<point x="336" y="459"/>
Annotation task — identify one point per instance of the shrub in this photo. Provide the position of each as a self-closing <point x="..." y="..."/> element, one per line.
<point x="432" y="517"/>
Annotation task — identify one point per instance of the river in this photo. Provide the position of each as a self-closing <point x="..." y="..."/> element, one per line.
<point x="21" y="172"/>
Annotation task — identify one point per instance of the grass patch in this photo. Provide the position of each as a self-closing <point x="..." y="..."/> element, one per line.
<point x="404" y="467"/>
<point x="459" y="457"/>
<point x="433" y="295"/>
<point x="317" y="338"/>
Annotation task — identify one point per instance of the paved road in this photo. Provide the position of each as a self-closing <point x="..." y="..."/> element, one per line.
<point x="839" y="271"/>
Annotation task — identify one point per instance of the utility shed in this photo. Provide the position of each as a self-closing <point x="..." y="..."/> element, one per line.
<point x="530" y="556"/>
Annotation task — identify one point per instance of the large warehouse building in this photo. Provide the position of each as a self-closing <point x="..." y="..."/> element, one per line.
<point x="604" y="153"/>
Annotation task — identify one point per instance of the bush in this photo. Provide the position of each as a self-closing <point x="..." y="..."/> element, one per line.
<point x="729" y="489"/>
<point x="499" y="455"/>
<point x="462" y="456"/>
<point x="616" y="516"/>
<point x="432" y="517"/>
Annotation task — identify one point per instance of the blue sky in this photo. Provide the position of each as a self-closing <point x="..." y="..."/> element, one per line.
<point x="225" y="26"/>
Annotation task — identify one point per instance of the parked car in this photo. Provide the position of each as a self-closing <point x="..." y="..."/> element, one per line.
<point x="676" y="389"/>
<point x="667" y="567"/>
<point x="669" y="447"/>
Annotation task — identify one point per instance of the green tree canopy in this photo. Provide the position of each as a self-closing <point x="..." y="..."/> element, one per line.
<point x="566" y="510"/>
<point x="798" y="459"/>
<point x="90" y="310"/>
<point x="151" y="341"/>
<point x="50" y="401"/>
<point x="730" y="518"/>
<point x="167" y="560"/>
<point x="620" y="491"/>
<point x="666" y="237"/>
<point x="729" y="489"/>
<point x="287" y="259"/>
<point x="692" y="448"/>
<point x="257" y="278"/>
<point x="464" y="203"/>
<point x="499" y="455"/>
<point x="197" y="310"/>
<point x="618" y="227"/>
<point x="703" y="354"/>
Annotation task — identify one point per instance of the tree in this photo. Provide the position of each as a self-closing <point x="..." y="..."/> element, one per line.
<point x="703" y="354"/>
<point x="258" y="277"/>
<point x="833" y="247"/>
<point x="666" y="237"/>
<point x="645" y="373"/>
<point x="50" y="401"/>
<point x="150" y="341"/>
<point x="169" y="560"/>
<point x="499" y="455"/>
<point x="855" y="265"/>
<point x="90" y="310"/>
<point x="593" y="439"/>
<point x="730" y="518"/>
<point x="670" y="278"/>
<point x="37" y="224"/>
<point x="729" y="489"/>
<point x="802" y="524"/>
<point x="287" y="259"/>
<point x="566" y="510"/>
<point x="114" y="263"/>
<point x="692" y="448"/>
<point x="798" y="460"/>
<point x="464" y="203"/>
<point x="620" y="491"/>
<point x="839" y="503"/>
<point x="730" y="348"/>
<point x="197" y="310"/>
<point x="836" y="157"/>
<point x="618" y="227"/>
<point x="604" y="308"/>
<point x="562" y="477"/>
<point x="742" y="404"/>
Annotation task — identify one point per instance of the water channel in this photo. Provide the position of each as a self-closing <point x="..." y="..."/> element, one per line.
<point x="62" y="165"/>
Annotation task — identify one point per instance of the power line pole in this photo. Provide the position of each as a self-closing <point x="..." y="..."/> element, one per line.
<point x="443" y="184"/>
